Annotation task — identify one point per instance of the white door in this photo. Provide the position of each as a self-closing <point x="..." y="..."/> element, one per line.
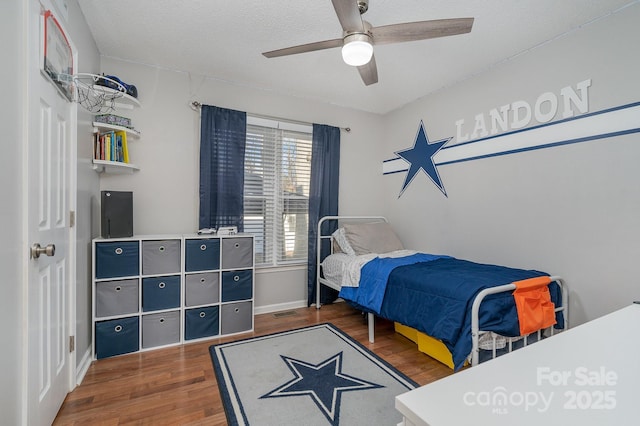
<point x="51" y="139"/>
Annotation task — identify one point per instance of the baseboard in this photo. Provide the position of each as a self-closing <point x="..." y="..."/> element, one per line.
<point x="280" y="307"/>
<point x="83" y="367"/>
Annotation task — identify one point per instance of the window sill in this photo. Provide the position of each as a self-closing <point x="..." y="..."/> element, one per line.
<point x="280" y="268"/>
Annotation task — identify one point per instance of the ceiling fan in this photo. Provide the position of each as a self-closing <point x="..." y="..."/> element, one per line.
<point x="359" y="36"/>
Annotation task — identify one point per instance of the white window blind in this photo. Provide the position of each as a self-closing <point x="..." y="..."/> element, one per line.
<point x="276" y="190"/>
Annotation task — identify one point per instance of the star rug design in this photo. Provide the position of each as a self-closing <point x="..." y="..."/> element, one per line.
<point x="315" y="375"/>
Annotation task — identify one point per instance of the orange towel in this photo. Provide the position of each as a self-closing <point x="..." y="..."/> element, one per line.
<point x="534" y="305"/>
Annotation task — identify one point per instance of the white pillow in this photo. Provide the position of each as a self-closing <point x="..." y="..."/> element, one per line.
<point x="377" y="237"/>
<point x="340" y="238"/>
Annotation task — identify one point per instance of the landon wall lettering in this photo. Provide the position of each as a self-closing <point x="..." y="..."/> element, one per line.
<point x="519" y="114"/>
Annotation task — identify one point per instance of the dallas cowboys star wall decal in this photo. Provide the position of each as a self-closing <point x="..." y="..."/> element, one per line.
<point x="420" y="157"/>
<point x="323" y="382"/>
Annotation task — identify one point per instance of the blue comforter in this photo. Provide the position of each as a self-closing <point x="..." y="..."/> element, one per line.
<point x="434" y="294"/>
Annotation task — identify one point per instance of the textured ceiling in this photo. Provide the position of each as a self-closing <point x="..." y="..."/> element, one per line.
<point x="224" y="39"/>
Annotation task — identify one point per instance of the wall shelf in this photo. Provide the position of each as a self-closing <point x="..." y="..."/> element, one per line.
<point x="125" y="101"/>
<point x="106" y="126"/>
<point x="115" y="167"/>
<point x="110" y="140"/>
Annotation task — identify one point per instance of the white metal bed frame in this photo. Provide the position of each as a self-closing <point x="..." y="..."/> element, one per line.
<point x="476" y="333"/>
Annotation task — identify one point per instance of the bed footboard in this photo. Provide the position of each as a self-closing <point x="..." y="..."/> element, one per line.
<point x="476" y="333"/>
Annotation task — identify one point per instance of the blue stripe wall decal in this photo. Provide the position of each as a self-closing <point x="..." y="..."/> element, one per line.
<point x="611" y="122"/>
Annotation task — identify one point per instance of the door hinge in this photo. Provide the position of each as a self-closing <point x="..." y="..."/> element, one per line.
<point x="72" y="343"/>
<point x="72" y="218"/>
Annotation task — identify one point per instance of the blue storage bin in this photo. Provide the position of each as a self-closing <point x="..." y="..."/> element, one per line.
<point x="201" y="322"/>
<point x="160" y="293"/>
<point x="202" y="254"/>
<point x="117" y="259"/>
<point x="117" y="337"/>
<point x="237" y="285"/>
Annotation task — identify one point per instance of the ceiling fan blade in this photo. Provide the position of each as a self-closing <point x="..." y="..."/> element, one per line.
<point x="369" y="72"/>
<point x="310" y="47"/>
<point x="421" y="30"/>
<point x="348" y="15"/>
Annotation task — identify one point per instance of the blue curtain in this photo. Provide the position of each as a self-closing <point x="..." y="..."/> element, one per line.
<point x="223" y="134"/>
<point x="323" y="199"/>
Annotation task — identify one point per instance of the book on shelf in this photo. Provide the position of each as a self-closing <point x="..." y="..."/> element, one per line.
<point x="112" y="140"/>
<point x="107" y="146"/>
<point x="111" y="146"/>
<point x="96" y="146"/>
<point x="121" y="137"/>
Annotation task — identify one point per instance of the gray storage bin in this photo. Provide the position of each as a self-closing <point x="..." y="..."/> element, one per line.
<point x="160" y="257"/>
<point x="237" y="253"/>
<point x="160" y="329"/>
<point x="236" y="317"/>
<point x="202" y="289"/>
<point x="118" y="297"/>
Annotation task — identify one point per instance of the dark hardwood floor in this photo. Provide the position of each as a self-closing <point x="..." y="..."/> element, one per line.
<point x="177" y="386"/>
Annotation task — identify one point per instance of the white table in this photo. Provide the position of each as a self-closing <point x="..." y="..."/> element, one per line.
<point x="588" y="375"/>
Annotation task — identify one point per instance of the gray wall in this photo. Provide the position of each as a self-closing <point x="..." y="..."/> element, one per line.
<point x="11" y="107"/>
<point x="571" y="210"/>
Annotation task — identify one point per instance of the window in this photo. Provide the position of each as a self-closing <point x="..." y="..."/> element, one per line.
<point x="277" y="171"/>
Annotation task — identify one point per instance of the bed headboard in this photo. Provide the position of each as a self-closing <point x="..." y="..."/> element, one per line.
<point x="326" y="227"/>
<point x="328" y="224"/>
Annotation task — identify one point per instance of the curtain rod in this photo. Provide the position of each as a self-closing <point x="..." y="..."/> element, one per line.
<point x="195" y="105"/>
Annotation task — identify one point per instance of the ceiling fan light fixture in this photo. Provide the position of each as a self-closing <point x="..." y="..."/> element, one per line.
<point x="357" y="49"/>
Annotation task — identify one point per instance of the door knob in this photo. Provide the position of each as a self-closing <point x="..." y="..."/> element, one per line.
<point x="37" y="250"/>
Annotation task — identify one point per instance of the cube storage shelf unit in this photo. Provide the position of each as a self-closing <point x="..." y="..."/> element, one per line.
<point x="162" y="290"/>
